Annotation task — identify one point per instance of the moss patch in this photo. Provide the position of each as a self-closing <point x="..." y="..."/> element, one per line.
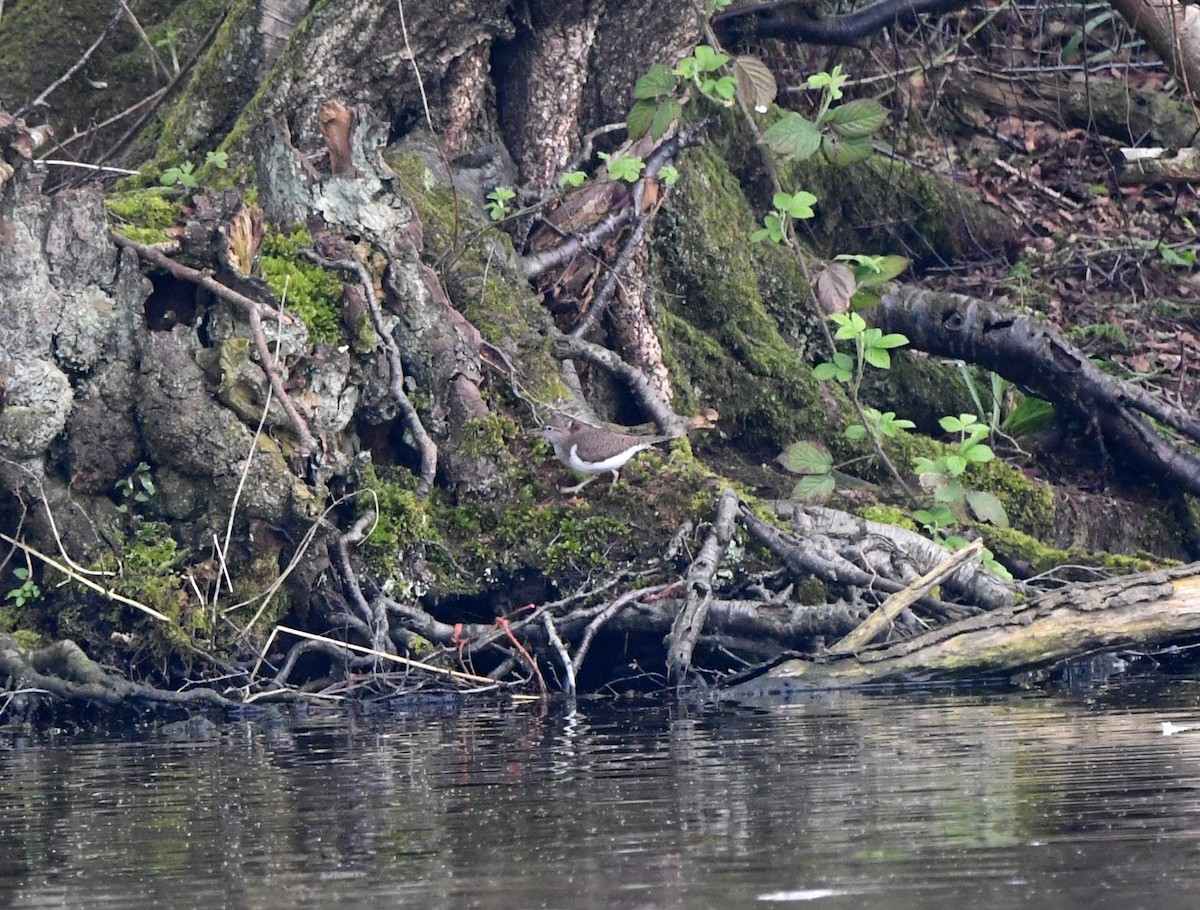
<point x="312" y="293"/>
<point x="722" y="337"/>
<point x="143" y="215"/>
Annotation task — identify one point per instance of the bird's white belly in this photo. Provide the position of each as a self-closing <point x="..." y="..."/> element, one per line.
<point x="599" y="467"/>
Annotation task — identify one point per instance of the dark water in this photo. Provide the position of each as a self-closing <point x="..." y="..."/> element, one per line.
<point x="838" y="802"/>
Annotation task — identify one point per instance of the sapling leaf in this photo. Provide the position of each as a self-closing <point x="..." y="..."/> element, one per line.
<point x="794" y="137"/>
<point x="857" y="119"/>
<point x="815" y="488"/>
<point x="667" y="112"/>
<point x="986" y="507"/>
<point x="806" y="457"/>
<point x="639" y="119"/>
<point x="658" y="80"/>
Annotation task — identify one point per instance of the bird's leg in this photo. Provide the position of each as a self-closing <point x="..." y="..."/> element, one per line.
<point x="616" y="476"/>
<point x="579" y="486"/>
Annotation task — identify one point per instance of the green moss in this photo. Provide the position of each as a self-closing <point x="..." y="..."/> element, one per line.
<point x="143" y="215"/>
<point x="724" y="300"/>
<point x="402" y="517"/>
<point x="487" y="436"/>
<point x="474" y="261"/>
<point x="1017" y="545"/>
<point x="889" y="515"/>
<point x="312" y="293"/>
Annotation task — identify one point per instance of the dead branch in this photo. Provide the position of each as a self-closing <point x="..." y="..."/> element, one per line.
<point x="816" y="556"/>
<point x="896" y="553"/>
<point x="887" y="612"/>
<point x="688" y="625"/>
<point x="1032" y="355"/>
<point x="1149" y="609"/>
<point x="63" y="670"/>
<point x="639" y="384"/>
<point x="253" y="311"/>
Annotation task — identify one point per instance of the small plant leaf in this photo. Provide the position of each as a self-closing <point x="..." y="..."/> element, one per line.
<point x="657" y="81"/>
<point x="794" y="137"/>
<point x="667" y="112"/>
<point x="755" y="82"/>
<point x="888" y="267"/>
<point x="815" y="488"/>
<point x="986" y="507"/>
<point x="841" y="151"/>
<point x="858" y="119"/>
<point x="806" y="457"/>
<point x="641" y="115"/>
<point x="877" y="357"/>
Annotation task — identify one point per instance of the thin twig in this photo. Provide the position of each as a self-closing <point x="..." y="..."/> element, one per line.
<point x="41" y="99"/>
<point x="86" y="582"/>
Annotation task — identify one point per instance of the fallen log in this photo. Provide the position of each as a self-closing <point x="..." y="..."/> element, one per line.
<point x="1144" y="611"/>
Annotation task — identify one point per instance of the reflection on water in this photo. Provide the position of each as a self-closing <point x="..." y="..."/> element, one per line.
<point x="839" y="802"/>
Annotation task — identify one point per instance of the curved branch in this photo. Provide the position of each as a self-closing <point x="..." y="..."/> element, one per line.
<point x="792" y="20"/>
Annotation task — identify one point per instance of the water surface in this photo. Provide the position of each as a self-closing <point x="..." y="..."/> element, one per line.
<point x="844" y="801"/>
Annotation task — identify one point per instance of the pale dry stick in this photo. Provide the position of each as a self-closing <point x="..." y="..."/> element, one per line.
<point x="870" y="627"/>
<point x="62" y="550"/>
<point x="86" y="582"/>
<point x="63" y="162"/>
<point x="560" y="648"/>
<point x="41" y="99"/>
<point x="371" y="652"/>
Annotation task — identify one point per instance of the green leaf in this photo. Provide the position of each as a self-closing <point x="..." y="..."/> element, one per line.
<point x="755" y="82"/>
<point x="877" y="357"/>
<point x="978" y="454"/>
<point x="707" y="59"/>
<point x="814" y="488"/>
<point x="22" y="573"/>
<point x="641" y="115"/>
<point x="855" y="432"/>
<point x="841" y="151"/>
<point x="806" y="457"/>
<point x="892" y="340"/>
<point x="725" y="88"/>
<point x="955" y="465"/>
<point x="987" y="507"/>
<point x="794" y="137"/>
<point x="668" y="174"/>
<point x="888" y="267"/>
<point x="667" y="112"/>
<point x="858" y="119"/>
<point x="219" y="160"/>
<point x="658" y="80"/>
<point x="572" y="179"/>
<point x="822" y="372"/>
<point x="951" y="424"/>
